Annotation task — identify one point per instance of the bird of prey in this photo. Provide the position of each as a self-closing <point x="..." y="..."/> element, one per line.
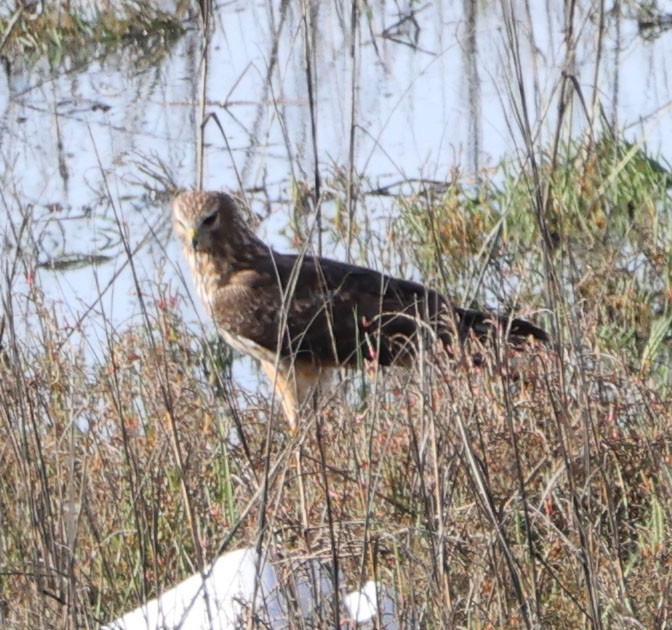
<point x="301" y="315"/>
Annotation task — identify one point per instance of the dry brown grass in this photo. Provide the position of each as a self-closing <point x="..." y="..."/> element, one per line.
<point x="526" y="495"/>
<point x="494" y="496"/>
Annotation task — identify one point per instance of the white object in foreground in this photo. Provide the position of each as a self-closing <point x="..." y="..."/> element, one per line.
<point x="222" y="597"/>
<point x="363" y="606"/>
<point x="240" y="586"/>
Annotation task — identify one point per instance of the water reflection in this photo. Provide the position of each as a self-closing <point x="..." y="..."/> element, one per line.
<point x="397" y="92"/>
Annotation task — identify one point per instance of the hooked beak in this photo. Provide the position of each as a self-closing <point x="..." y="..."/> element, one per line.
<point x="192" y="235"/>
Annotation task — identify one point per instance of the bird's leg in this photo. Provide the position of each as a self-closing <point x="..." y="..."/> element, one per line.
<point x="284" y="386"/>
<point x="306" y="379"/>
<point x="371" y="354"/>
<point x="290" y="388"/>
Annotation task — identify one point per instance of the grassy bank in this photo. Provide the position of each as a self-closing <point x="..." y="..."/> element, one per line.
<point x="533" y="489"/>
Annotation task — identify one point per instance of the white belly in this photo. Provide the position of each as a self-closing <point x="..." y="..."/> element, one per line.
<point x="247" y="346"/>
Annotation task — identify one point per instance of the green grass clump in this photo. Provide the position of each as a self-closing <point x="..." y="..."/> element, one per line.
<point x="609" y="221"/>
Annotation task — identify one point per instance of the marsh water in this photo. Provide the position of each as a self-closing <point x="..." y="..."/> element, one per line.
<point x="393" y="94"/>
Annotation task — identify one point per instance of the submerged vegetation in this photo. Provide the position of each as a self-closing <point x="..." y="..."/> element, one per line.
<point x="56" y="32"/>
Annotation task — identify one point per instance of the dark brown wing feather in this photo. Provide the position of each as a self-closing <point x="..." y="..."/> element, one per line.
<point x="336" y="314"/>
<point x="342" y="313"/>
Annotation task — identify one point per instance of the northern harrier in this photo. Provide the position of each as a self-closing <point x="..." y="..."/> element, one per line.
<point x="301" y="315"/>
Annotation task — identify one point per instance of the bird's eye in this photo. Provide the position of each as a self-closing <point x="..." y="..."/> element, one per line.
<point x="209" y="221"/>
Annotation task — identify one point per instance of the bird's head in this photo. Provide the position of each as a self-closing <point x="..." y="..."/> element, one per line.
<point x="203" y="220"/>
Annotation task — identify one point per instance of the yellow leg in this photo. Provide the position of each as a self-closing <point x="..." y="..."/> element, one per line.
<point x="294" y="385"/>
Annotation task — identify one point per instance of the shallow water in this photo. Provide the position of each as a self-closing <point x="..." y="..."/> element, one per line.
<point x="408" y="95"/>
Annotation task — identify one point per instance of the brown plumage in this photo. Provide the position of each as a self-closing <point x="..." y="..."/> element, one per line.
<point x="304" y="314"/>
